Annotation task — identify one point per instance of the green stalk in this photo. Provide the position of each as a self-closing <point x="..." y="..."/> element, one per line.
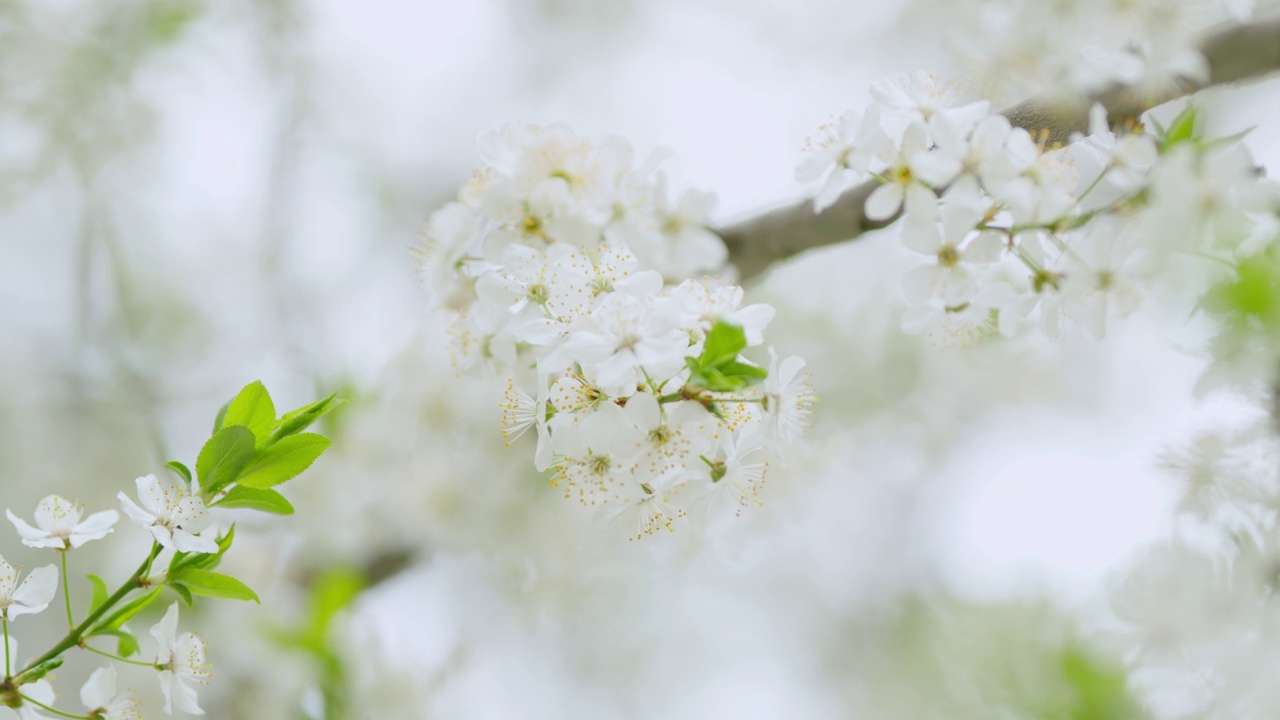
<point x="73" y="637"/>
<point x="55" y="711"/>
<point x="117" y="658"/>
<point x="66" y="590"/>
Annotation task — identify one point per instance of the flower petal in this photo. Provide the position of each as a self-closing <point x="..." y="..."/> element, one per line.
<point x="35" y="592"/>
<point x="884" y="201"/>
<point x="135" y="513"/>
<point x="94" y="527"/>
<point x="152" y="493"/>
<point x="33" y="537"/>
<point x="185" y="698"/>
<point x="97" y="691"/>
<point x="167" y="681"/>
<point x="54" y="512"/>
<point x="166" y="632"/>
<point x="187" y="542"/>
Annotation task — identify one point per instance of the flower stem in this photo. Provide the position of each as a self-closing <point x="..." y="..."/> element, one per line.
<point x="5" y="620"/>
<point x="73" y="637"/>
<point x="1085" y="193"/>
<point x="66" y="591"/>
<point x="117" y="658"/>
<point x="55" y="711"/>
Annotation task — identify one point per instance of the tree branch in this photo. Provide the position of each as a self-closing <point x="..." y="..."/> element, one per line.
<point x="1236" y="53"/>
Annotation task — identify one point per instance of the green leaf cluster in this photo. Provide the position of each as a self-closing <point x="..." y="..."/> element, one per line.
<point x="718" y="368"/>
<point x="252" y="450"/>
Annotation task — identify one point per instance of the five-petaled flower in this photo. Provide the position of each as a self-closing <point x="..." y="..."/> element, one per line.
<point x="58" y="524"/>
<point x="31" y="595"/>
<point x="99" y="696"/>
<point x="181" y="660"/>
<point x="171" y="512"/>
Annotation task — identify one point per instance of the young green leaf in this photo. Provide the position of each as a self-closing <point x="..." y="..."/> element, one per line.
<point x="282" y="461"/>
<point x="1182" y="129"/>
<point x="253" y="409"/>
<point x="222" y="458"/>
<point x="182" y="471"/>
<point x="127" y="644"/>
<point x="266" y="500"/>
<point x="212" y="584"/>
<point x="182" y="591"/>
<point x="295" y="421"/>
<point x="125" y="613"/>
<point x="41" y="670"/>
<point x="723" y="344"/>
<point x="99" y="592"/>
<point x="222" y="414"/>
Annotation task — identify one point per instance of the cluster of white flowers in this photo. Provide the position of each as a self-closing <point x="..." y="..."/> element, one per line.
<point x="1013" y="229"/>
<point x="571" y="270"/>
<point x="1026" y="47"/>
<point x="170" y="513"/>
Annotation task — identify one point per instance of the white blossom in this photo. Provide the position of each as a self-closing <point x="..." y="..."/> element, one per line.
<point x="841" y="153"/>
<point x="948" y="242"/>
<point x="32" y="595"/>
<point x="924" y="97"/>
<point x="99" y="695"/>
<point x="674" y="238"/>
<point x="789" y="398"/>
<point x="58" y="524"/>
<point x="1102" y="279"/>
<point x="568" y="273"/>
<point x="738" y="471"/>
<point x="910" y="167"/>
<point x="171" y="513"/>
<point x="181" y="660"/>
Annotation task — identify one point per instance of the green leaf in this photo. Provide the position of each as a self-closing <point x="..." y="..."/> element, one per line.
<point x="295" y="421"/>
<point x="282" y="461"/>
<point x="125" y="612"/>
<point x="747" y="374"/>
<point x="222" y="414"/>
<point x="253" y="409"/>
<point x="222" y="458"/>
<point x="183" y="471"/>
<point x="1182" y="129"/>
<point x="727" y="377"/>
<point x="1100" y="688"/>
<point x="723" y="344"/>
<point x="99" y="592"/>
<point x="718" y="369"/>
<point x="183" y="591"/>
<point x="41" y="670"/>
<point x="127" y="644"/>
<point x="334" y="590"/>
<point x="266" y="500"/>
<point x="715" y="381"/>
<point x="212" y="584"/>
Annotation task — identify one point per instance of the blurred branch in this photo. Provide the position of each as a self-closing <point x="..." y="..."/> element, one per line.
<point x="1236" y="53"/>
